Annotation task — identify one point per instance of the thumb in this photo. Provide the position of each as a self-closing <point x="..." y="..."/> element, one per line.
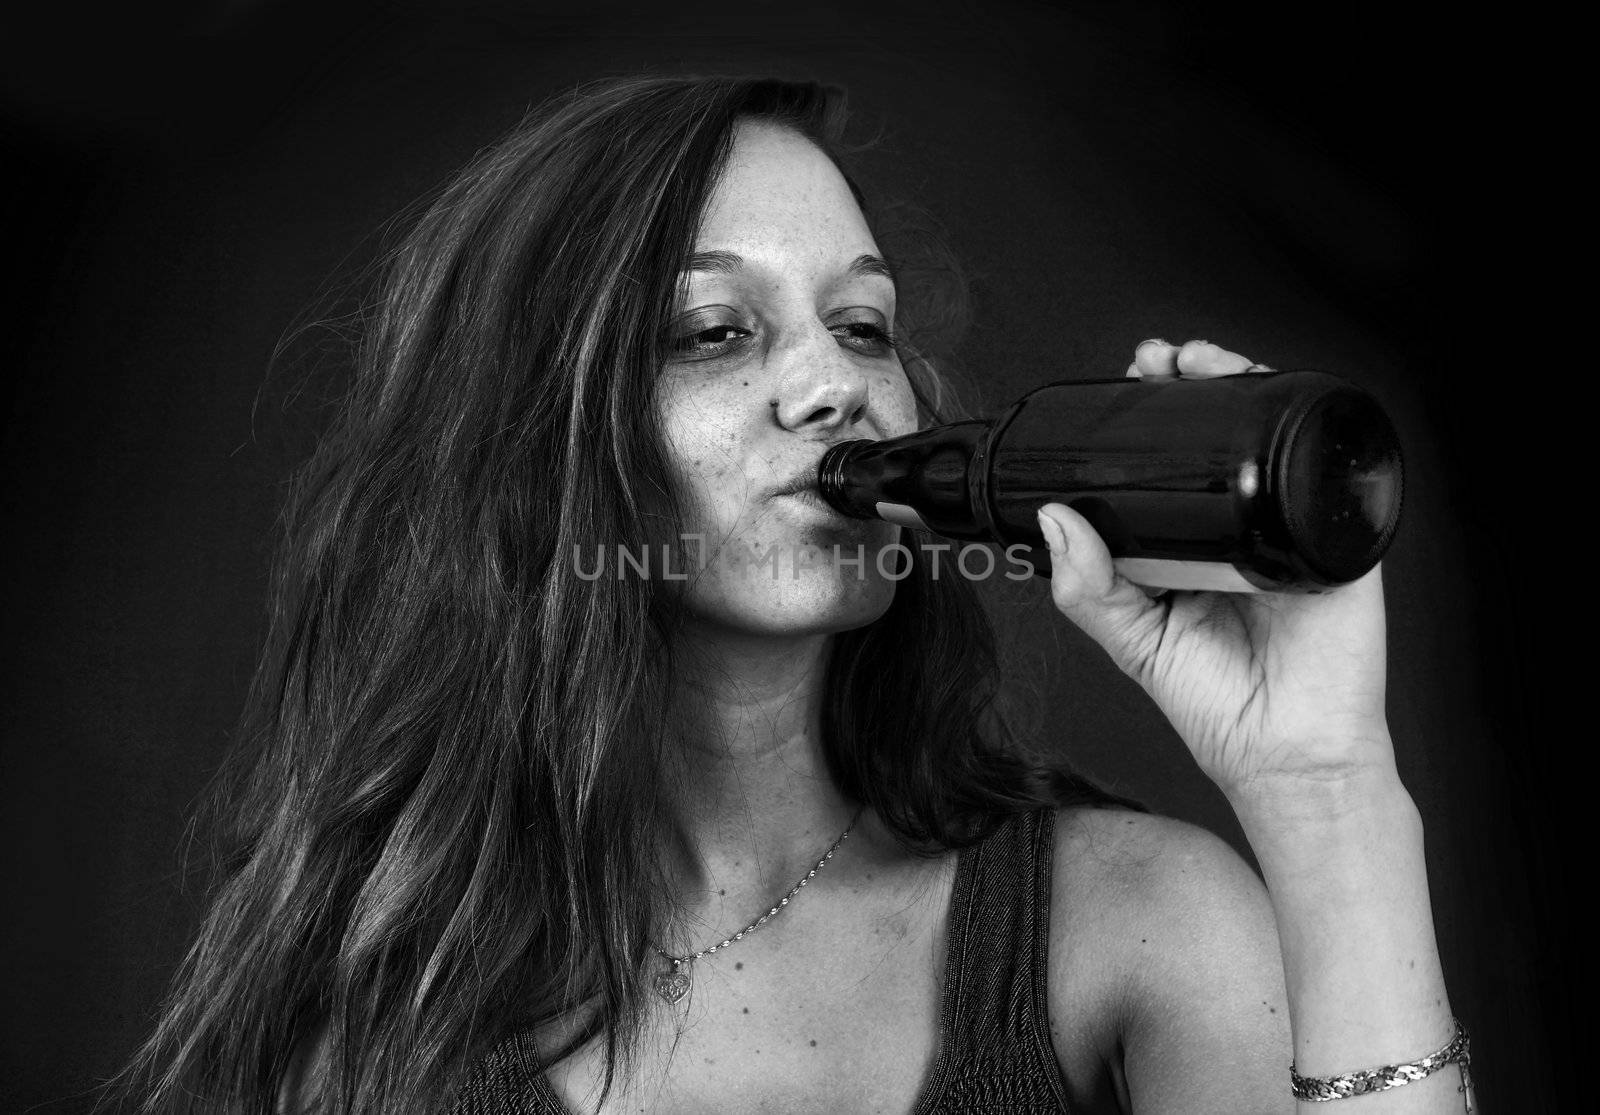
<point x="1087" y="589"/>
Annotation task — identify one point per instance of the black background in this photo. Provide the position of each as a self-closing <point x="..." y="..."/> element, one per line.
<point x="1314" y="186"/>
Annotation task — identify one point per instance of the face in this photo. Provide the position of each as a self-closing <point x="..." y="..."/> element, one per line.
<point x="781" y="348"/>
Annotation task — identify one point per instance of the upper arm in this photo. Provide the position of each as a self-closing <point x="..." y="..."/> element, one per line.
<point x="1172" y="935"/>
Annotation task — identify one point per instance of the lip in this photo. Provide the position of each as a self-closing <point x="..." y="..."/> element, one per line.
<point x="799" y="488"/>
<point x="803" y="488"/>
<point x="808" y="495"/>
<point x="802" y="483"/>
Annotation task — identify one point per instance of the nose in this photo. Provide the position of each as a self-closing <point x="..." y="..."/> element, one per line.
<point x="820" y="388"/>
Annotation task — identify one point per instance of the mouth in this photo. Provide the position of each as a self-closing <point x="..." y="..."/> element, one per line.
<point x="799" y="488"/>
<point x="802" y="488"/>
<point x="803" y="483"/>
<point x="810" y="497"/>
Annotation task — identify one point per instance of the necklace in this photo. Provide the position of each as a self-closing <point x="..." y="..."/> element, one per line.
<point x="674" y="985"/>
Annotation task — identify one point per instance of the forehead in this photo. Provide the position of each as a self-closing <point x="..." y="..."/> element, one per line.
<point x="779" y="191"/>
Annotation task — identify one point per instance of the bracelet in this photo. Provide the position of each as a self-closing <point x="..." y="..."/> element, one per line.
<point x="1319" y="1089"/>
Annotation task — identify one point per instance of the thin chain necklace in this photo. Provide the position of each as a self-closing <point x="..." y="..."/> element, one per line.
<point x="673" y="985"/>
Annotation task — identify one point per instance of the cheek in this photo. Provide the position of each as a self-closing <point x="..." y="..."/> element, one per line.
<point x="898" y="406"/>
<point x="704" y="430"/>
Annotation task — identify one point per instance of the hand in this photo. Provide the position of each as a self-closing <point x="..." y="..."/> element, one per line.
<point x="1266" y="689"/>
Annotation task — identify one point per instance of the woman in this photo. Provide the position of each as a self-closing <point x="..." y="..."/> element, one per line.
<point x="501" y="824"/>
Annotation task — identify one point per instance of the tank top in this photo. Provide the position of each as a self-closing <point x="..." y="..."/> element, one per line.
<point x="994" y="1027"/>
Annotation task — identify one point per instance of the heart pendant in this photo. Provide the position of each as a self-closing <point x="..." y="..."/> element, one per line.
<point x="672" y="985"/>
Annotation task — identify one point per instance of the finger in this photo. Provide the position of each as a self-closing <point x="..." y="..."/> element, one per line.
<point x="1087" y="589"/>
<point x="1204" y="360"/>
<point x="1154" y="359"/>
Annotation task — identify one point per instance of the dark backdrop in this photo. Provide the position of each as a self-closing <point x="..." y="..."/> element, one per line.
<point x="1301" y="188"/>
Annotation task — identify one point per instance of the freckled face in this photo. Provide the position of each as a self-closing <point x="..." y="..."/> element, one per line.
<point x="781" y="349"/>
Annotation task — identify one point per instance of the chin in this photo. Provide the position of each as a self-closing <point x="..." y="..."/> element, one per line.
<point x="812" y="602"/>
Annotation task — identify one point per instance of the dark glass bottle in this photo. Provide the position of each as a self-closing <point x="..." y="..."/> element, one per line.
<point x="1274" y="481"/>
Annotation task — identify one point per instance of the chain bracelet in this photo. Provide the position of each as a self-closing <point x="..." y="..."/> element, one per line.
<point x="1319" y="1089"/>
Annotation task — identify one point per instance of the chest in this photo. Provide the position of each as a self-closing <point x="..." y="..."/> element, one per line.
<point x="837" y="1010"/>
<point x="842" y="1008"/>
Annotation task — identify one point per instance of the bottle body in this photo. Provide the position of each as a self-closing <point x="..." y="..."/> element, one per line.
<point x="1282" y="481"/>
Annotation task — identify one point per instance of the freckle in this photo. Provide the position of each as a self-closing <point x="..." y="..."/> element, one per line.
<point x="739" y="966"/>
<point x="747" y="1010"/>
<point x="722" y="892"/>
<point x="709" y="1061"/>
<point x="813" y="1041"/>
<point x="1272" y="1010"/>
<point x="1143" y="940"/>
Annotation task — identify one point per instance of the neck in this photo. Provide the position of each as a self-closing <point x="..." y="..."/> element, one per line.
<point x="754" y="803"/>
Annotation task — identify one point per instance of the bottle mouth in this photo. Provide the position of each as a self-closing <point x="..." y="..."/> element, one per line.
<point x="1341" y="476"/>
<point x="832" y="482"/>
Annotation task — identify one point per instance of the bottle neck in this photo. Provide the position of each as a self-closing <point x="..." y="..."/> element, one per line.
<point x="920" y="479"/>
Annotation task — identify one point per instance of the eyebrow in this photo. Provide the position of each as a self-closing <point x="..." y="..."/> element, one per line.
<point x="727" y="263"/>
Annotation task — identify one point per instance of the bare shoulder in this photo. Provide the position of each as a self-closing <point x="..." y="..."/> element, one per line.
<point x="1163" y="953"/>
<point x="1139" y="895"/>
<point x="1150" y="864"/>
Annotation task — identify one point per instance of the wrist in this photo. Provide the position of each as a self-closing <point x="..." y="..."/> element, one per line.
<point x="1318" y="819"/>
<point x="1344" y="780"/>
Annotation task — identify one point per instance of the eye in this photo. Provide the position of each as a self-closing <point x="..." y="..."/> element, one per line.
<point x="704" y="339"/>
<point x="866" y="337"/>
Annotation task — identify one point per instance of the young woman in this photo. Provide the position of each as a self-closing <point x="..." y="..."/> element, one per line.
<point x="510" y="836"/>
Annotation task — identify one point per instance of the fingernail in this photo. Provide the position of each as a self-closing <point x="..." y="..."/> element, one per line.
<point x="1150" y="341"/>
<point x="1054" y="536"/>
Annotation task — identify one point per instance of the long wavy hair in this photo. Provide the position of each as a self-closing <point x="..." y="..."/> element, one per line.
<point x="420" y="847"/>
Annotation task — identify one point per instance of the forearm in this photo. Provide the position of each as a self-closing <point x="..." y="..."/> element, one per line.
<point x="1344" y="867"/>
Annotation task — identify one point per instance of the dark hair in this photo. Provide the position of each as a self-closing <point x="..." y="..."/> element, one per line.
<point x="420" y="818"/>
